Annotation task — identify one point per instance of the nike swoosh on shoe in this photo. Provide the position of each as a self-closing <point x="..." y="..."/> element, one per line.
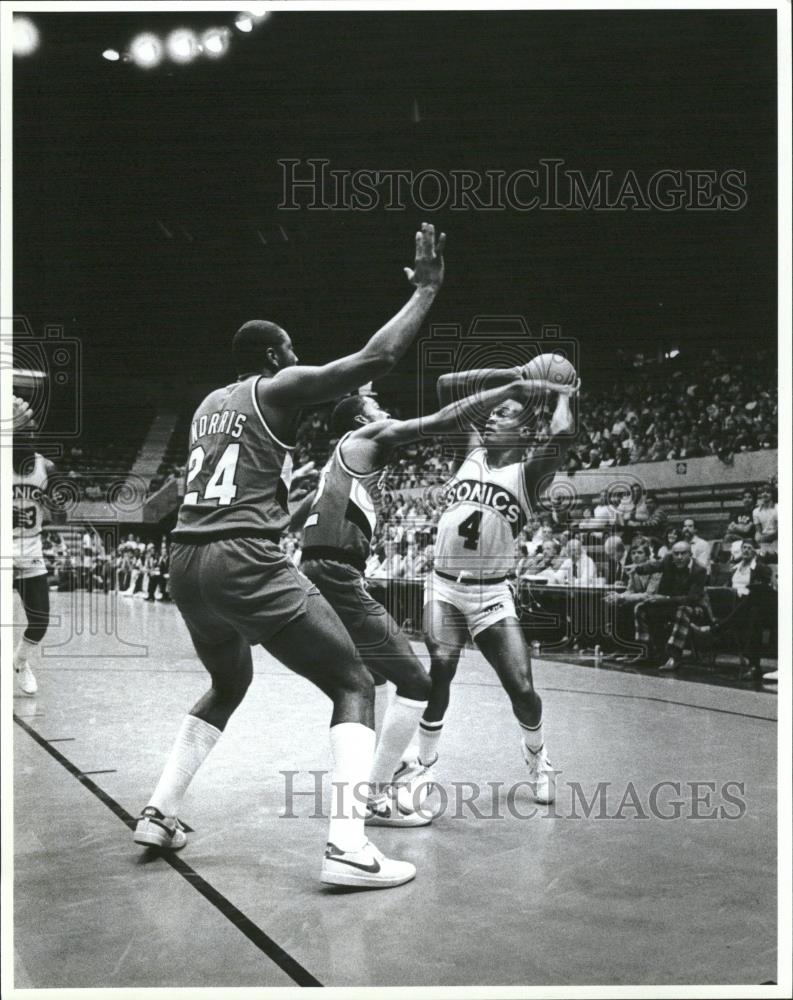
<point x="374" y="867"/>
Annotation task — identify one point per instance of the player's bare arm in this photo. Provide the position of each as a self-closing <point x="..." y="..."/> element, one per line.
<point x="458" y="385"/>
<point x="301" y="385"/>
<point x="547" y="459"/>
<point x="371" y="446"/>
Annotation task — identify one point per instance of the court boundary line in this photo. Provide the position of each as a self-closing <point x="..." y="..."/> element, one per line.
<point x="459" y="682"/>
<point x="259" y="938"/>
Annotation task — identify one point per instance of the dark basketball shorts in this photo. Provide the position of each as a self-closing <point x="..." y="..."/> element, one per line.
<point x="371" y="628"/>
<point x="237" y="586"/>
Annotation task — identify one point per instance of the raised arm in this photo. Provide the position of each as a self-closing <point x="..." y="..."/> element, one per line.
<point x="549" y="457"/>
<point x="387" y="435"/>
<point x="301" y="385"/>
<point x="459" y="385"/>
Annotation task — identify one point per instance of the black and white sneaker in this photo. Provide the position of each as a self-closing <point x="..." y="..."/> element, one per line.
<point x="387" y="810"/>
<point x="155" y="830"/>
<point x="365" y="868"/>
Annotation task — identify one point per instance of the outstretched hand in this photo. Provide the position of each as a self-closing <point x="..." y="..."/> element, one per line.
<point x="427" y="270"/>
<point x="22" y="414"/>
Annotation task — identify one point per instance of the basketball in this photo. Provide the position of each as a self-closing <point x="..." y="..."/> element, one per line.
<point x="553" y="368"/>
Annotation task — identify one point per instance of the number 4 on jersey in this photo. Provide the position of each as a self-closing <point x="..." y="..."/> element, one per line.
<point x="469" y="530"/>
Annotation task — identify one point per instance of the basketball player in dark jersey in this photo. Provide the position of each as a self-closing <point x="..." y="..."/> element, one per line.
<point x="235" y="588"/>
<point x="336" y="537"/>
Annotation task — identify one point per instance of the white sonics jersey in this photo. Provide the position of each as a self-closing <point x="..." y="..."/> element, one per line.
<point x="28" y="508"/>
<point x="486" y="510"/>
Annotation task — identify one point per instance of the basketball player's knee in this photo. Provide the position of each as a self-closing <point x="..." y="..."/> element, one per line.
<point x="356" y="680"/>
<point x="525" y="697"/>
<point x="443" y="668"/>
<point x="233" y="689"/>
<point x="415" y="683"/>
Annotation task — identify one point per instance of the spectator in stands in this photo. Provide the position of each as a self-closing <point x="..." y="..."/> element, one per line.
<point x="615" y="566"/>
<point x="624" y="508"/>
<point x="151" y="564"/>
<point x="554" y="572"/>
<point x="560" y="513"/>
<point x="766" y="521"/>
<point x="742" y="526"/>
<point x="165" y="569"/>
<point x="135" y="573"/>
<point x="579" y="568"/>
<point x="672" y="535"/>
<point x="546" y="559"/>
<point x="639" y="584"/>
<point x="700" y="549"/>
<point x="753" y="610"/>
<point x="678" y="601"/>
<point x="624" y="602"/>
<point x="648" y="518"/>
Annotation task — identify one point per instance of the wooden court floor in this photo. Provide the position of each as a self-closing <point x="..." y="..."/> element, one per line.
<point x="639" y="891"/>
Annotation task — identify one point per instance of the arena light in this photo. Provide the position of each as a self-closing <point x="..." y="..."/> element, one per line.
<point x="215" y="42"/>
<point x="258" y="11"/>
<point x="112" y="55"/>
<point x="243" y="23"/>
<point x="26" y="36"/>
<point x="182" y="45"/>
<point x="146" y="50"/>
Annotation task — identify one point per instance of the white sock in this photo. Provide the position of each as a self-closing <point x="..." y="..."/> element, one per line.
<point x="532" y="736"/>
<point x="352" y="747"/>
<point x="382" y="693"/>
<point x="193" y="743"/>
<point x="24" y="649"/>
<point x="429" y="738"/>
<point x="399" y="727"/>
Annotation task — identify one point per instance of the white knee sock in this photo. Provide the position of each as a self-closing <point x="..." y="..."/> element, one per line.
<point x="399" y="725"/>
<point x="382" y="694"/>
<point x="24" y="649"/>
<point x="193" y="743"/>
<point x="429" y="738"/>
<point x="532" y="736"/>
<point x="352" y="747"/>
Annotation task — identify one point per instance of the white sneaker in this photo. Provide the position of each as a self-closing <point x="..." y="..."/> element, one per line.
<point x="155" y="830"/>
<point x="413" y="782"/>
<point x="26" y="682"/>
<point x="386" y="810"/>
<point x="541" y="774"/>
<point x="365" y="868"/>
<point x="771" y="677"/>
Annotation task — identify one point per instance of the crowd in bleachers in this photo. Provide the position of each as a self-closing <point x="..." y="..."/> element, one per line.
<point x="657" y="412"/>
<point x="662" y="413"/>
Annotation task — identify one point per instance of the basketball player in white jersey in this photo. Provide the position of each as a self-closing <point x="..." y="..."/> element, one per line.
<point x="31" y="471"/>
<point x="490" y="498"/>
<point x="338" y="530"/>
